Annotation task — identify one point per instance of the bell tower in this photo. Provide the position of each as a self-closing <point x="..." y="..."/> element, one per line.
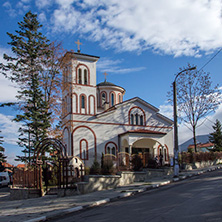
<point x="79" y="100"/>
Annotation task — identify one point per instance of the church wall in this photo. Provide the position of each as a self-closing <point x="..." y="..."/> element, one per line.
<point x="87" y="135"/>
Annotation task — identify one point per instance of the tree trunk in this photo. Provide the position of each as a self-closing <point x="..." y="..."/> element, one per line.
<point x="194" y="138"/>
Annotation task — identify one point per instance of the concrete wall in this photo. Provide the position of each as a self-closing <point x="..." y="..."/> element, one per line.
<point x="198" y="165"/>
<point x="102" y="182"/>
<point x="24" y="193"/>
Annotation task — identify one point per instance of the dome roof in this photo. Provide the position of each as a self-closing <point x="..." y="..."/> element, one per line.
<point x="105" y="83"/>
<point x="109" y="84"/>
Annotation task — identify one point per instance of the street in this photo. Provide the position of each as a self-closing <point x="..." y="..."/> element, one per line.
<point x="195" y="199"/>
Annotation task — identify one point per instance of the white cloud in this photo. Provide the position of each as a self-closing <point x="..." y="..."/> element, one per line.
<point x="112" y="66"/>
<point x="43" y="3"/>
<point x="182" y="27"/>
<point x="7" y="88"/>
<point x="10" y="10"/>
<point x="9" y="129"/>
<point x="42" y="17"/>
<point x="166" y="110"/>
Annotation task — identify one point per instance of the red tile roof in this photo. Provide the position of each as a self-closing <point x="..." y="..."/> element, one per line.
<point x="201" y="145"/>
<point x="21" y="166"/>
<point x="7" y="165"/>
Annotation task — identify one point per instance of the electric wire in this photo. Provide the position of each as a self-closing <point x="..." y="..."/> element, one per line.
<point x="210" y="59"/>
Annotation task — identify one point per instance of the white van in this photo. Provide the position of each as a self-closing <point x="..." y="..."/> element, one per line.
<point x="4" y="179"/>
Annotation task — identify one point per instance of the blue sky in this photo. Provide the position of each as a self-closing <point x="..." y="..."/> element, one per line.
<point x="141" y="44"/>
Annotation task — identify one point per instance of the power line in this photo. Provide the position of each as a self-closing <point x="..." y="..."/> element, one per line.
<point x="210" y="59"/>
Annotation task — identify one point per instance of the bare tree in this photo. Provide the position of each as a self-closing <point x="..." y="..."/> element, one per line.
<point x="196" y="97"/>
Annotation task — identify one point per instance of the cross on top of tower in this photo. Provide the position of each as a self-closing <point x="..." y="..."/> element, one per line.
<point x="78" y="43"/>
<point x="105" y="74"/>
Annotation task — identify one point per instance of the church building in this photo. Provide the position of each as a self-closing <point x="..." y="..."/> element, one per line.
<point x="97" y="120"/>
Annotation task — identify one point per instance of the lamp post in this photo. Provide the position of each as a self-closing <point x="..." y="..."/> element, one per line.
<point x="176" y="149"/>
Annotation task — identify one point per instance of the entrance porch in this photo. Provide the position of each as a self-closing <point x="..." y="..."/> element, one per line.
<point x="145" y="143"/>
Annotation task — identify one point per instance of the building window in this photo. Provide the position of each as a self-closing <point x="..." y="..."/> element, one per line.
<point x="112" y="99"/>
<point x="84" y="150"/>
<point x="141" y="120"/>
<point x="108" y="150"/>
<point x="120" y="98"/>
<point x="114" y="151"/>
<point x="83" y="102"/>
<point x="132" y="119"/>
<point x="80" y="76"/>
<point x="85" y="76"/>
<point x="136" y="116"/>
<point x="137" y="121"/>
<point x="103" y="98"/>
<point x="165" y="155"/>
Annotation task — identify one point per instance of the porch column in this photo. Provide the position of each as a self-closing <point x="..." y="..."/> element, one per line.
<point x="130" y="149"/>
<point x="130" y="156"/>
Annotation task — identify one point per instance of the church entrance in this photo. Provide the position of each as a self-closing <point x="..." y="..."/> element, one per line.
<point x="144" y="154"/>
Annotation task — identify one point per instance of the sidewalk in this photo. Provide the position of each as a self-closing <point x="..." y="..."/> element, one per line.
<point x="48" y="207"/>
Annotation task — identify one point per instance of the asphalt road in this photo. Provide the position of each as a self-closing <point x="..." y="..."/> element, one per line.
<point x="197" y="199"/>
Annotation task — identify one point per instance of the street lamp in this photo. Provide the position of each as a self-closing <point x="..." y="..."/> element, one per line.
<point x="176" y="150"/>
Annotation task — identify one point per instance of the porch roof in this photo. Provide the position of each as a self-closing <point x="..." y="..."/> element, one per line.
<point x="142" y="131"/>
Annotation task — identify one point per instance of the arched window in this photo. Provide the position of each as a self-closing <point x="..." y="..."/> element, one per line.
<point x="139" y="116"/>
<point x="83" y="102"/>
<point x="84" y="149"/>
<point x="85" y="76"/>
<point x="141" y="120"/>
<point x="113" y="151"/>
<point x="120" y="98"/>
<point x="137" y="121"/>
<point x="80" y="76"/>
<point x="108" y="150"/>
<point x="103" y="98"/>
<point x="132" y="119"/>
<point x="112" y="99"/>
<point x="165" y="154"/>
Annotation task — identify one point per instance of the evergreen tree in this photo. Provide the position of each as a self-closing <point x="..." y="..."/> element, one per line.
<point x="216" y="136"/>
<point x="2" y="149"/>
<point x="32" y="54"/>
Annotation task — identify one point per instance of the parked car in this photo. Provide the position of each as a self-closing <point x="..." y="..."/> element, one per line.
<point x="4" y="179"/>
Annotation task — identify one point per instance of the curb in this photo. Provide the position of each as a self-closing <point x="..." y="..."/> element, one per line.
<point x="122" y="195"/>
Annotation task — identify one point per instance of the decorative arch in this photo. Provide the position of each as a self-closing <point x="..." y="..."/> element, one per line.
<point x="92" y="106"/>
<point x="136" y="107"/>
<point x="158" y="149"/>
<point x="111" y="142"/>
<point x="94" y="135"/>
<point x="44" y="144"/>
<point x="79" y="66"/>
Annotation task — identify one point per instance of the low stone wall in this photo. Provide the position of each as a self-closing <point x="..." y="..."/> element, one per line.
<point x="127" y="177"/>
<point x="198" y="165"/>
<point x="94" y="183"/>
<point x="152" y="173"/>
<point x="24" y="193"/>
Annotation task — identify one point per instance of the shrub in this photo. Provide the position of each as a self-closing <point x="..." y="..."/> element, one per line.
<point x="137" y="163"/>
<point x="87" y="170"/>
<point x="108" y="167"/>
<point x="95" y="168"/>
